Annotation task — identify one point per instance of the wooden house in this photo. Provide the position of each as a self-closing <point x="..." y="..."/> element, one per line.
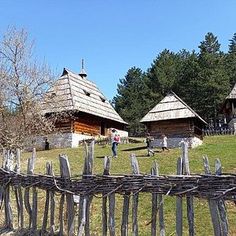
<point x="174" y="118"/>
<point x="229" y="109"/>
<point x="81" y="111"/>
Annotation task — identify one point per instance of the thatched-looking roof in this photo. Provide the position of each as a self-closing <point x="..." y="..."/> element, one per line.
<point x="74" y="92"/>
<point x="169" y="108"/>
<point x="232" y="94"/>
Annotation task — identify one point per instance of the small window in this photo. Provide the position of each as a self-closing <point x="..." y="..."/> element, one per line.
<point x="53" y="95"/>
<point x="86" y="92"/>
<point x="102" y="99"/>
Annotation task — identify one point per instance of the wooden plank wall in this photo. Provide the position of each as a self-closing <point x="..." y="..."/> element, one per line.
<point x="63" y="126"/>
<point x="171" y="128"/>
<point x="86" y="126"/>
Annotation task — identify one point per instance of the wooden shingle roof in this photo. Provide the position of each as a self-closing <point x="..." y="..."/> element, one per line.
<point x="232" y="94"/>
<point x="170" y="107"/>
<point x="76" y="93"/>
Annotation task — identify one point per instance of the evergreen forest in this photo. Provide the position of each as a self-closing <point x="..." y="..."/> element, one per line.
<point x="202" y="79"/>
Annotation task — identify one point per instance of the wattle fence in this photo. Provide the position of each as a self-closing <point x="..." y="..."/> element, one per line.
<point x="77" y="194"/>
<point x="218" y="131"/>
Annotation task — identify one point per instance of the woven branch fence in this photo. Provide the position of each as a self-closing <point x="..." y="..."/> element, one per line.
<point x="218" y="131"/>
<point x="78" y="193"/>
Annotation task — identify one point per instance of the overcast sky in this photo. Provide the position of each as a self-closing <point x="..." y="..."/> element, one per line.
<point x="115" y="35"/>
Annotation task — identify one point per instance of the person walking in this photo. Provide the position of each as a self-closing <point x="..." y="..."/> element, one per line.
<point x="149" y="140"/>
<point x="115" y="140"/>
<point x="164" y="143"/>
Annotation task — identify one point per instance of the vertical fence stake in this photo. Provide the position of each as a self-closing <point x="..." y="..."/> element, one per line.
<point x="157" y="199"/>
<point x="61" y="207"/>
<point x="135" y="170"/>
<point x="189" y="199"/>
<point x="179" y="203"/>
<point x="6" y="192"/>
<point x="52" y="205"/>
<point x="34" y="198"/>
<point x="221" y="204"/>
<point x="31" y="211"/>
<point x="18" y="193"/>
<point x="212" y="204"/>
<point x="125" y="215"/>
<point x="47" y="202"/>
<point x="85" y="201"/>
<point x="154" y="203"/>
<point x="107" y="165"/>
<point x="65" y="173"/>
<point x="111" y="221"/>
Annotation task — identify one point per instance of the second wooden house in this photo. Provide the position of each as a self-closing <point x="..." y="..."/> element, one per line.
<point x="229" y="109"/>
<point x="174" y="118"/>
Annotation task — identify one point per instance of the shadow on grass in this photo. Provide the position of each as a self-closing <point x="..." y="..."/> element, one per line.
<point x="144" y="155"/>
<point x="134" y="149"/>
<point x="100" y="157"/>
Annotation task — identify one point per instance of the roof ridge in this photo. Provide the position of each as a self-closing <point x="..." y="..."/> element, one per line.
<point x="71" y="93"/>
<point x="168" y="108"/>
<point x="195" y="113"/>
<point x="94" y="102"/>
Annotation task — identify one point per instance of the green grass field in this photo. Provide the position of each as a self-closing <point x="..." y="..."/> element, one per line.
<point x="222" y="147"/>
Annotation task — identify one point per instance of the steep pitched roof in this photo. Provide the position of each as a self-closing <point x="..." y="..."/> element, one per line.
<point x="232" y="94"/>
<point x="76" y="93"/>
<point x="170" y="107"/>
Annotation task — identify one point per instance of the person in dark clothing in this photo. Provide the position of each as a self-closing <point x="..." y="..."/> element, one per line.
<point x="46" y="147"/>
<point x="149" y="140"/>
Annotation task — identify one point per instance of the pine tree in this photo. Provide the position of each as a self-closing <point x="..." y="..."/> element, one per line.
<point x="213" y="82"/>
<point x="187" y="86"/>
<point x="131" y="102"/>
<point x="230" y="61"/>
<point x="232" y="45"/>
<point x="162" y="75"/>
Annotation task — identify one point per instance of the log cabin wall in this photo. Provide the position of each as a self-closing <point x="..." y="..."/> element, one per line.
<point x="82" y="123"/>
<point x="94" y="126"/>
<point x="113" y="124"/>
<point x="172" y="128"/>
<point x="198" y="126"/>
<point x="63" y="126"/>
<point x="86" y="126"/>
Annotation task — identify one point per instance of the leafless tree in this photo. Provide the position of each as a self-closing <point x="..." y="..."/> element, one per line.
<point x="23" y="83"/>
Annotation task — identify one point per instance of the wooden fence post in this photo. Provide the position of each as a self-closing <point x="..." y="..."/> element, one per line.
<point x="125" y="215"/>
<point x="61" y="222"/>
<point x="65" y="173"/>
<point x="111" y="221"/>
<point x="52" y="205"/>
<point x="49" y="203"/>
<point x="32" y="212"/>
<point x="157" y="206"/>
<point x="35" y="194"/>
<point x="179" y="203"/>
<point x="212" y="204"/>
<point x="85" y="201"/>
<point x="154" y="172"/>
<point x="18" y="193"/>
<point x="221" y="204"/>
<point x="107" y="165"/>
<point x="6" y="192"/>
<point x="135" y="170"/>
<point x="186" y="170"/>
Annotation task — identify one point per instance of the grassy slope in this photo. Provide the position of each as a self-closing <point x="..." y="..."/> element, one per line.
<point x="223" y="147"/>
